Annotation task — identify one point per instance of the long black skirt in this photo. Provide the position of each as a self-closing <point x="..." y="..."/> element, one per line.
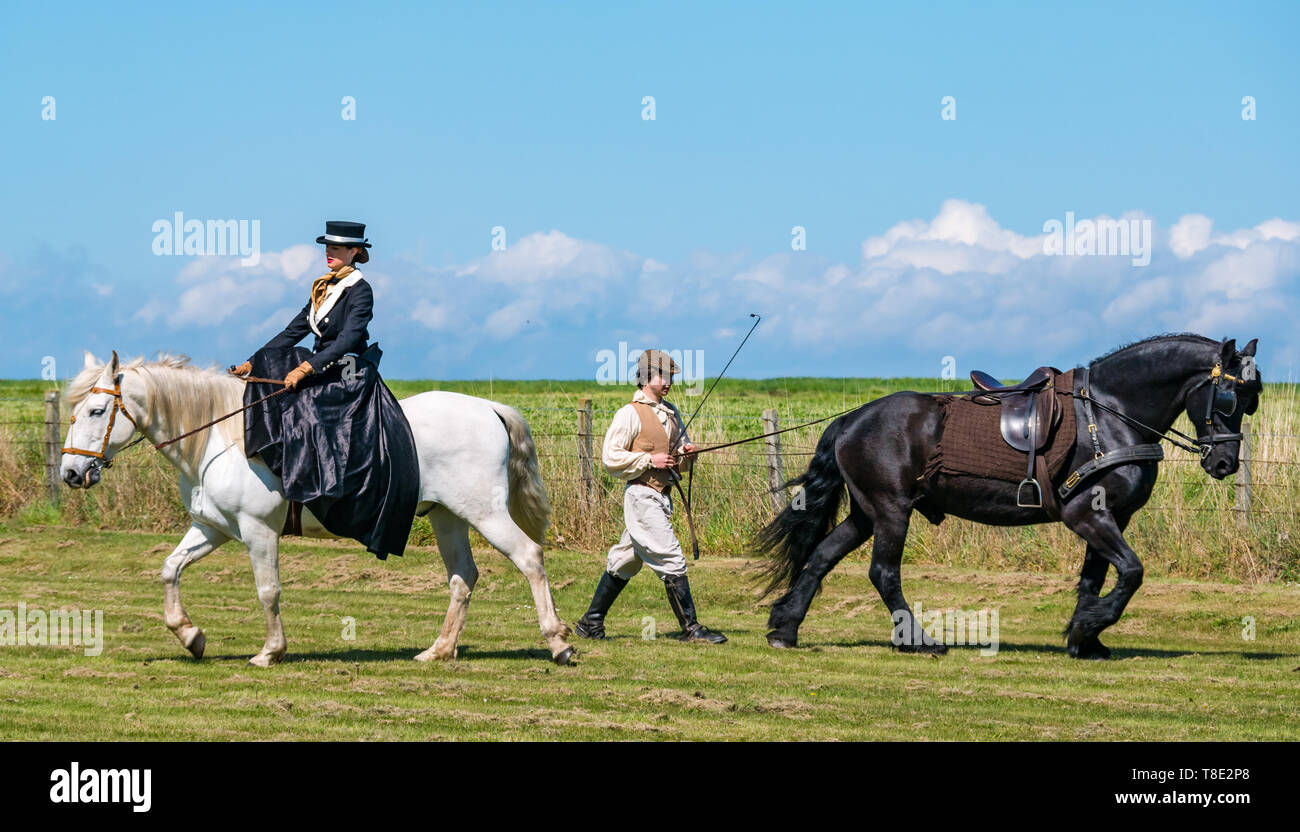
<point x="341" y="445"/>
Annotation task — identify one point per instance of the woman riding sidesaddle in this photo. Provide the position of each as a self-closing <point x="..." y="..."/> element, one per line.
<point x="338" y="439"/>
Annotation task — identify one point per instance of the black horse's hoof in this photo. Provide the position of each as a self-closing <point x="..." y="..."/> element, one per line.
<point x="1092" y="649"/>
<point x="780" y="642"/>
<point x="566" y="656"/>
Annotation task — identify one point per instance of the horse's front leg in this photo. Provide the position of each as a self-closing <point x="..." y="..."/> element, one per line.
<point x="1104" y="536"/>
<point x="197" y="542"/>
<point x="1091" y="578"/>
<point x="264" y="551"/>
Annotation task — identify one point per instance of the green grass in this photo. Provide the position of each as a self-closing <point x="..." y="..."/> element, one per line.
<point x="1181" y="670"/>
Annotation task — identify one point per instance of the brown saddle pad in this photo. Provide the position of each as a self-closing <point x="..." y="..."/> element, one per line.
<point x="971" y="443"/>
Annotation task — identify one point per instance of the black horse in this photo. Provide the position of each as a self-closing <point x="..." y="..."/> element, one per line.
<point x="879" y="451"/>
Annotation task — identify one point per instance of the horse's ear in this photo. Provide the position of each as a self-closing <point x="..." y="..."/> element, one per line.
<point x="91" y="361"/>
<point x="1228" y="351"/>
<point x="112" y="367"/>
<point x="1249" y="349"/>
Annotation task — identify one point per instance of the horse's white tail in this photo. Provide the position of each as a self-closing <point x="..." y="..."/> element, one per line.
<point x="530" y="508"/>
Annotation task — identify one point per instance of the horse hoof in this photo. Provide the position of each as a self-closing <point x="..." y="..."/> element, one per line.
<point x="197" y="644"/>
<point x="1094" y="650"/>
<point x="435" y="655"/>
<point x="266" y="659"/>
<point x="781" y="642"/>
<point x="566" y="656"/>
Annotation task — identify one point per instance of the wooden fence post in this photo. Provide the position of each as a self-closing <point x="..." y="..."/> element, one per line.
<point x="586" y="467"/>
<point x="1243" y="472"/>
<point x="52" y="446"/>
<point x="775" y="470"/>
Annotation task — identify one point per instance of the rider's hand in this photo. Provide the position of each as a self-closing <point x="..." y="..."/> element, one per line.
<point x="243" y="369"/>
<point x="296" y="375"/>
<point x="663" y="460"/>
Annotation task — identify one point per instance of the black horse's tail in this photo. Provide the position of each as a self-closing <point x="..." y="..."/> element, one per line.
<point x="793" y="534"/>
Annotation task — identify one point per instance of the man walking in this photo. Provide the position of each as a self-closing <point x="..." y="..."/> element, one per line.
<point x="642" y="447"/>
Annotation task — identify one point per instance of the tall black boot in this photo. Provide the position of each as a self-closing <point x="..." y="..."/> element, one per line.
<point x="679" y="598"/>
<point x="592" y="625"/>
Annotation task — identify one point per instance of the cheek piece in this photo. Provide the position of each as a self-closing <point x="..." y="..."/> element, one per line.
<point x="116" y="393"/>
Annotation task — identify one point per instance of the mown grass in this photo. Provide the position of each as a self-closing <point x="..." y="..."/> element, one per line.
<point x="1182" y="670"/>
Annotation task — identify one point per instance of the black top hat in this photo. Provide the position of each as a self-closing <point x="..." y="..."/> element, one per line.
<point x="341" y="233"/>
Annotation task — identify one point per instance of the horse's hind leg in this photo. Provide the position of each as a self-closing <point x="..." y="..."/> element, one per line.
<point x="453" y="544"/>
<point x="886" y="575"/>
<point x="502" y="532"/>
<point x="264" y="551"/>
<point x="200" y="540"/>
<point x="789" y="612"/>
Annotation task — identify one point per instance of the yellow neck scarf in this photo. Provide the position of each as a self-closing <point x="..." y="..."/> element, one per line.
<point x="321" y="284"/>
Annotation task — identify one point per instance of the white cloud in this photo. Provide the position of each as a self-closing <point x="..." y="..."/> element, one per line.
<point x="551" y="256"/>
<point x="962" y="237"/>
<point x="1193" y="233"/>
<point x="509" y="319"/>
<point x="1190" y="234"/>
<point x="957" y="284"/>
<point x="431" y="315"/>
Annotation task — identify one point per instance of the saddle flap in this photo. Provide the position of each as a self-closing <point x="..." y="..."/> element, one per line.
<point x="1027" y="419"/>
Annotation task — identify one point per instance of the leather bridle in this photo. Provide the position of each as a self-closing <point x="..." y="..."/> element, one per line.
<point x="1220" y="398"/>
<point x="1223" y="400"/>
<point x="118" y="404"/>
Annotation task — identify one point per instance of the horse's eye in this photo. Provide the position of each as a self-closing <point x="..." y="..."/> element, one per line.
<point x="99" y="411"/>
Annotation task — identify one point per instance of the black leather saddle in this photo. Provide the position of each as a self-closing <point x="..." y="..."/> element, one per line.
<point x="1029" y="409"/>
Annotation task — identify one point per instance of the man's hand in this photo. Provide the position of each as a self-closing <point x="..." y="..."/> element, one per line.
<point x="686" y="457"/>
<point x="296" y="375"/>
<point x="663" y="460"/>
<point x="243" y="369"/>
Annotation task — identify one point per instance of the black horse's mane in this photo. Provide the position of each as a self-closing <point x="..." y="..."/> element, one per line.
<point x="1192" y="336"/>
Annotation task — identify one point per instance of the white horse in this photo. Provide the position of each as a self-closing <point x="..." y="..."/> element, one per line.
<point x="478" y="466"/>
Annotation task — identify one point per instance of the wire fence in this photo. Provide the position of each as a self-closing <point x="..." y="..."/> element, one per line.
<point x="1255" y="511"/>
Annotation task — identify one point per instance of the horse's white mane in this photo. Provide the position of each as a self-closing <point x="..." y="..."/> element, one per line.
<point x="181" y="397"/>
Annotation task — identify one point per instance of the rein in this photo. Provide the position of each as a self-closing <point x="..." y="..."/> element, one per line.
<point x="1196" y="445"/>
<point x="162" y="445"/>
<point x="119" y="404"/>
<point x="776" y="432"/>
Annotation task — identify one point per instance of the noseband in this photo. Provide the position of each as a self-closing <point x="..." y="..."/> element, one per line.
<point x="118" y="404"/>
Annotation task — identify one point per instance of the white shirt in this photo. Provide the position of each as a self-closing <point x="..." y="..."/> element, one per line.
<point x="315" y="315"/>
<point x="616" y="453"/>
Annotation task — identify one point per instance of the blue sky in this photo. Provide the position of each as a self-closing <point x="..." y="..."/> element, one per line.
<point x="664" y="232"/>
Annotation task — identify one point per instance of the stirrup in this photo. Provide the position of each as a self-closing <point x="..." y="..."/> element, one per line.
<point x="1020" y="490"/>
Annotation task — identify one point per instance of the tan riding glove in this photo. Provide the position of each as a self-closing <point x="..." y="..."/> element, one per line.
<point x="296" y="375"/>
<point x="243" y="369"/>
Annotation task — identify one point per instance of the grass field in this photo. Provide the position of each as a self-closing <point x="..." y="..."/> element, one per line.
<point x="1182" y="670"/>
